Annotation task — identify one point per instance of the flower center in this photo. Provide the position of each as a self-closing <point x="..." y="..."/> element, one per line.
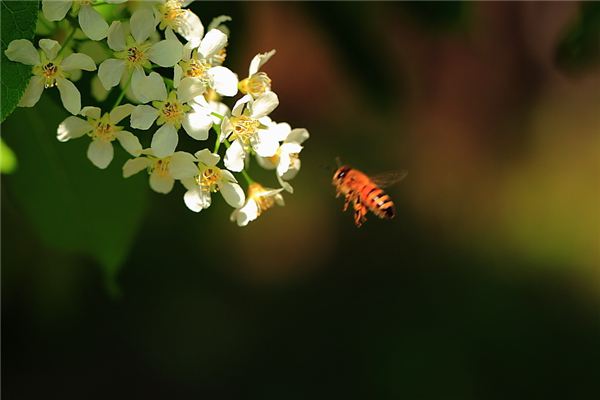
<point x="219" y="57"/>
<point x="209" y="178"/>
<point x="195" y="68"/>
<point x="161" y="166"/>
<point x="244" y="128"/>
<point x="256" y="192"/>
<point x="135" y="55"/>
<point x="103" y="129"/>
<point x="171" y="111"/>
<point x="171" y="13"/>
<point x="255" y="85"/>
<point x="50" y="71"/>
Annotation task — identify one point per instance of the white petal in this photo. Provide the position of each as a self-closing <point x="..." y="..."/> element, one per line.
<point x="91" y="112"/>
<point x="120" y="112"/>
<point x="197" y="199"/>
<point x="138" y="85"/>
<point x="298" y="135"/>
<point x="161" y="184"/>
<point x="130" y="143"/>
<point x="286" y="186"/>
<point x="214" y="41"/>
<point x="207" y="158"/>
<point x="183" y="165"/>
<point x="189" y="88"/>
<point x="98" y="91"/>
<point x="164" y="141"/>
<point x="177" y="75"/>
<point x="33" y="91"/>
<point x="142" y="24"/>
<point x="190" y="27"/>
<point x="284" y="163"/>
<point x="135" y="165"/>
<point x="239" y="105"/>
<point x="110" y="72"/>
<point x="78" y="61"/>
<point x="116" y="36"/>
<point x="154" y="87"/>
<point x="266" y="145"/>
<point x="143" y="116"/>
<point x="22" y="51"/>
<point x="71" y="128"/>
<point x="92" y="23"/>
<point x="166" y="53"/>
<point x="291" y="147"/>
<point x="55" y="10"/>
<point x="264" y="105"/>
<point x="224" y="81"/>
<point x="234" y="157"/>
<point x="69" y="94"/>
<point x="197" y="124"/>
<point x="258" y="61"/>
<point x="50" y="47"/>
<point x="267" y="162"/>
<point x="100" y="153"/>
<point x="233" y="194"/>
<point x="281" y="130"/>
<point x="248" y="213"/>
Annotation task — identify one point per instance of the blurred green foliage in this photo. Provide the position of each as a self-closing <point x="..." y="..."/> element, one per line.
<point x="8" y="160"/>
<point x="579" y="47"/>
<point x="18" y="22"/>
<point x="71" y="204"/>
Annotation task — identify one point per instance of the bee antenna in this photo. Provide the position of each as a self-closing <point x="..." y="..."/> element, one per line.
<point x="338" y="161"/>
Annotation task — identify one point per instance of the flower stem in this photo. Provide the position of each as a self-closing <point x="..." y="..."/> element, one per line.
<point x="217" y="115"/>
<point x="247" y="177"/>
<point x="120" y="98"/>
<point x="217" y="129"/>
<point x="67" y="41"/>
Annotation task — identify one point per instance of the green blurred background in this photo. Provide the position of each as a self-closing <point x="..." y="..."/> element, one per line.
<point x="485" y="286"/>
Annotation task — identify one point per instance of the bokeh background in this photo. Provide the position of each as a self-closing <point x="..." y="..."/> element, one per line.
<point x="485" y="286"/>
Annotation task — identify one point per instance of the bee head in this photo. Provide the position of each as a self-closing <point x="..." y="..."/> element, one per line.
<point x="340" y="173"/>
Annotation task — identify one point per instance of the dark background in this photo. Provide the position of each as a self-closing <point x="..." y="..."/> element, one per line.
<point x="485" y="286"/>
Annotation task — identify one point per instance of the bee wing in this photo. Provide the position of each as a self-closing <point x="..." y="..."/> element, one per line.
<point x="387" y="179"/>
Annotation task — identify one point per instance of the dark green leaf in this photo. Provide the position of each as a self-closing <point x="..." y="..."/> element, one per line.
<point x="73" y="205"/>
<point x="18" y="22"/>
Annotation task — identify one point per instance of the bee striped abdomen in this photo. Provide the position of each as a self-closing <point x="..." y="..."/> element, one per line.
<point x="377" y="201"/>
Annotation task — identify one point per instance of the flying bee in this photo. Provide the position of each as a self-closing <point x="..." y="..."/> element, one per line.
<point x="366" y="193"/>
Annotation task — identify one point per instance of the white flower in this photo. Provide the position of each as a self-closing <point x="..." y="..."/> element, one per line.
<point x="49" y="70"/>
<point x="91" y="22"/>
<point x="198" y="65"/>
<point x="286" y="160"/>
<point x="134" y="52"/>
<point x="211" y="178"/>
<point x="171" y="111"/>
<point x="257" y="82"/>
<point x="259" y="200"/>
<point x="247" y="130"/>
<point x="103" y="130"/>
<point x="163" y="170"/>
<point x="174" y="17"/>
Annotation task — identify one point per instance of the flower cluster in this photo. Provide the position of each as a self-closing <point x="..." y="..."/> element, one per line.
<point x="170" y="78"/>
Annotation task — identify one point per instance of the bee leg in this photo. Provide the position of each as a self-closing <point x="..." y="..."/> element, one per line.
<point x="359" y="214"/>
<point x="347" y="202"/>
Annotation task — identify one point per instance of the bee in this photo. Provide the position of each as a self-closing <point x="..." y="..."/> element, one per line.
<point x="366" y="193"/>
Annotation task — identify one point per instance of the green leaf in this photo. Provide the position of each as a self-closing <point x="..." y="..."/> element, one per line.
<point x="72" y="205"/>
<point x="18" y="22"/>
<point x="8" y="160"/>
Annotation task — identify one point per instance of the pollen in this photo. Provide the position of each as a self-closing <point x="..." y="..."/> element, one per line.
<point x="50" y="73"/>
<point x="255" y="85"/>
<point x="260" y="196"/>
<point x="209" y="178"/>
<point x="171" y="13"/>
<point x="195" y="68"/>
<point x="161" y="166"/>
<point x="244" y="128"/>
<point x="135" y="55"/>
